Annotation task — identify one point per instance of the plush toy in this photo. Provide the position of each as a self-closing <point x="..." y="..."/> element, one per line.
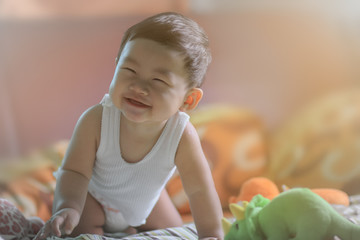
<point x="268" y="189"/>
<point x="255" y="186"/>
<point x="13" y="224"/>
<point x="297" y="214"/>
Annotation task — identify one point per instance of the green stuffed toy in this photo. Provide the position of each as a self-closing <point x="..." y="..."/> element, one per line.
<point x="297" y="214"/>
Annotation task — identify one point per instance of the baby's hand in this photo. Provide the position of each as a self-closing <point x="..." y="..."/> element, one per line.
<point x="62" y="222"/>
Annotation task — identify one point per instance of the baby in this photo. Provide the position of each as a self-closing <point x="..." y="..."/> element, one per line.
<point x="124" y="150"/>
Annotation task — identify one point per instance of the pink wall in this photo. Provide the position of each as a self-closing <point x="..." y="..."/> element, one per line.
<point x="273" y="63"/>
<point x="53" y="71"/>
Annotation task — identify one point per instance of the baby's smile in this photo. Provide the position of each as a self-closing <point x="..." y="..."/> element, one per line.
<point x="136" y="103"/>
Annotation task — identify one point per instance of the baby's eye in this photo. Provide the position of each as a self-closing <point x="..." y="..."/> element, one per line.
<point x="129" y="69"/>
<point x="160" y="81"/>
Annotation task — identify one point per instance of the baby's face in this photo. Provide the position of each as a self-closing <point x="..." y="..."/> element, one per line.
<point x="150" y="82"/>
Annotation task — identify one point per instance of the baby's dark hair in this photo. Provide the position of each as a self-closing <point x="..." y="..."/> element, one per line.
<point x="178" y="33"/>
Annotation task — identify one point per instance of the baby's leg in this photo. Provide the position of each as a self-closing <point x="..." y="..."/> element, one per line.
<point x="163" y="215"/>
<point x="92" y="219"/>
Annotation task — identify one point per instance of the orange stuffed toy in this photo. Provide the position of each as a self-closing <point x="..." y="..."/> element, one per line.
<point x="254" y="186"/>
<point x="268" y="189"/>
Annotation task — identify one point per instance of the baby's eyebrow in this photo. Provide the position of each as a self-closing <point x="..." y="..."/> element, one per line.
<point x="130" y="60"/>
<point x="163" y="71"/>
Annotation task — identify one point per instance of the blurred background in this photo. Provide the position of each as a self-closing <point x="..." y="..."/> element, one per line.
<point x="57" y="58"/>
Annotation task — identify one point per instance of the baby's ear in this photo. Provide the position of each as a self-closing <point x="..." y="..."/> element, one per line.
<point x="192" y="99"/>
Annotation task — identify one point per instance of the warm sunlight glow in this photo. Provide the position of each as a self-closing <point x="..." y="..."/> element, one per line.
<point x="83" y="8"/>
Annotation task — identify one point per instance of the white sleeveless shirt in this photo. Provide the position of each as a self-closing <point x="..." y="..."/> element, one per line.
<point x="133" y="188"/>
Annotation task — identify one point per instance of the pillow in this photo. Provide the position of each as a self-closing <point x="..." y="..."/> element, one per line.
<point x="320" y="145"/>
<point x="234" y="142"/>
<point x="13" y="224"/>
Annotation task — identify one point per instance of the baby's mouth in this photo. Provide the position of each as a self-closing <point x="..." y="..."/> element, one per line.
<point x="136" y="103"/>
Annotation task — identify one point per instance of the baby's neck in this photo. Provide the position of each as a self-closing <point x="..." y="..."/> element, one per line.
<point x="137" y="139"/>
<point x="142" y="129"/>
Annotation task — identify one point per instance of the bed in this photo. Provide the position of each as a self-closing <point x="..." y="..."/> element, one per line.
<point x="32" y="194"/>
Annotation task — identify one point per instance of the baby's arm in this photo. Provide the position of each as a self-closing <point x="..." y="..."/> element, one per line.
<point x="74" y="174"/>
<point x="198" y="185"/>
<point x="76" y="169"/>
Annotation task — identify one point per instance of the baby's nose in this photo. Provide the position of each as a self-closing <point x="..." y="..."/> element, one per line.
<point x="139" y="88"/>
